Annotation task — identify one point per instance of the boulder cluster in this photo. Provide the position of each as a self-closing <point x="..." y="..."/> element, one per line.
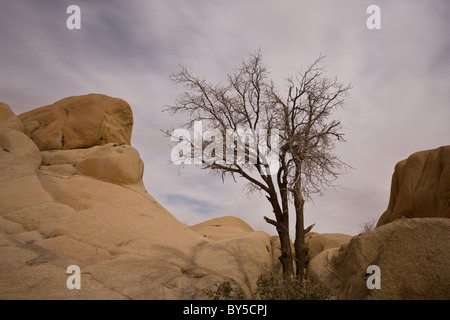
<point x="71" y="193"/>
<point x="410" y="244"/>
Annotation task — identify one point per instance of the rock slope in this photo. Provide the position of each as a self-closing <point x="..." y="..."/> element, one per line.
<point x="410" y="245"/>
<point x="412" y="254"/>
<point x="81" y="122"/>
<point x="420" y="186"/>
<point x="72" y="194"/>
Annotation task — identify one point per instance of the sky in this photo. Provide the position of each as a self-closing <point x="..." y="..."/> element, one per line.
<point x="400" y="74"/>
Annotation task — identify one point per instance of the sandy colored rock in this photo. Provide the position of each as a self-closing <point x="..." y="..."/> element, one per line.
<point x="83" y="202"/>
<point x="9" y="227"/>
<point x="28" y="271"/>
<point x="420" y="186"/>
<point x="71" y="193"/>
<point x="79" y="122"/>
<point x="413" y="256"/>
<point x="319" y="270"/>
<point x="8" y="119"/>
<point x="318" y="242"/>
<point x="112" y="162"/>
<point x="239" y="245"/>
<point x="222" y="228"/>
<point x="41" y="216"/>
<point x="241" y="258"/>
<point x="21" y="192"/>
<point x="19" y="156"/>
<point x="236" y="246"/>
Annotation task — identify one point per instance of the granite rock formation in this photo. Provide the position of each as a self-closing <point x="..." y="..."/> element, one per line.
<point x="71" y="193"/>
<point x="410" y="245"/>
<point x="412" y="254"/>
<point x="420" y="186"/>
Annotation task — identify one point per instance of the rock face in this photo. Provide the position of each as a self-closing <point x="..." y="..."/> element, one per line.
<point x="111" y="162"/>
<point x="420" y="186"/>
<point x="412" y="254"/>
<point x="71" y="193"/>
<point x="79" y="122"/>
<point x="222" y="228"/>
<point x="235" y="247"/>
<point x="81" y="201"/>
<point x="8" y="119"/>
<point x="410" y="245"/>
<point x="318" y="242"/>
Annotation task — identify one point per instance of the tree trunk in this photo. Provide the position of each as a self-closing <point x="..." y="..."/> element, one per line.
<point x="282" y="226"/>
<point x="286" y="248"/>
<point x="301" y="250"/>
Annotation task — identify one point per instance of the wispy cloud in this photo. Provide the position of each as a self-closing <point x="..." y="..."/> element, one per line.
<point x="200" y="206"/>
<point x="400" y="74"/>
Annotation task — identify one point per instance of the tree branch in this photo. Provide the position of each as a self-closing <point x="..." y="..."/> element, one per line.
<point x="307" y="230"/>
<point x="272" y="222"/>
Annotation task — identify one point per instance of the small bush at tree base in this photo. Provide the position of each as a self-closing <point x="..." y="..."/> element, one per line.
<point x="275" y="286"/>
<point x="227" y="290"/>
<point x="271" y="286"/>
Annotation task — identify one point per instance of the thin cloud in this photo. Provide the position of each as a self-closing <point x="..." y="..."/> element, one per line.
<point x="202" y="207"/>
<point x="400" y="74"/>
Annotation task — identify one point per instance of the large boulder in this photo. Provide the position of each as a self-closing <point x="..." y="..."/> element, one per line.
<point x="410" y="244"/>
<point x="420" y="186"/>
<point x="412" y="254"/>
<point x="8" y="119"/>
<point x="318" y="242"/>
<point x="19" y="156"/>
<point x="236" y="249"/>
<point x="111" y="162"/>
<point x="319" y="270"/>
<point x="84" y="203"/>
<point x="222" y="228"/>
<point x="79" y="122"/>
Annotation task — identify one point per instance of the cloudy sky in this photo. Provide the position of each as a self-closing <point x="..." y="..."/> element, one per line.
<point x="399" y="104"/>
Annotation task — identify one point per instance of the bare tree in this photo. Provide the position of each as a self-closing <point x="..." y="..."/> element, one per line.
<point x="302" y="137"/>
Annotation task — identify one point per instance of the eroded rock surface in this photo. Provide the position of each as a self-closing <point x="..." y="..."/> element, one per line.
<point x="412" y="254"/>
<point x="420" y="186"/>
<point x="72" y="194"/>
<point x="79" y="122"/>
<point x="318" y="242"/>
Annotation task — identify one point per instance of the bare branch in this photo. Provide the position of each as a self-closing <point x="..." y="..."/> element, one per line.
<point x="307" y="230"/>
